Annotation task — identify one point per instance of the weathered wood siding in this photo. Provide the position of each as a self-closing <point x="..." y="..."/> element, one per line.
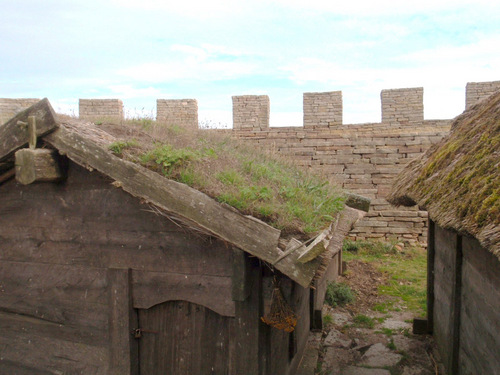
<point x="58" y="243"/>
<point x="444" y="282"/>
<point x="466" y="304"/>
<point x="480" y="313"/>
<point x="198" y="342"/>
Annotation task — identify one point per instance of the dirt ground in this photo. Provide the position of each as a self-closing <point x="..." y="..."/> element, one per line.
<point x="348" y="346"/>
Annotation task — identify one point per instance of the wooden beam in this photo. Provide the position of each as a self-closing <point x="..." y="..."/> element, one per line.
<point x="123" y="350"/>
<point x="240" y="278"/>
<point x="14" y="137"/>
<point x="34" y="165"/>
<point x="7" y="175"/>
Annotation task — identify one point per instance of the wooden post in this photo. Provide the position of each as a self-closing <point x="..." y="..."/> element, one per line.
<point x="32" y="132"/>
<point x="37" y="165"/>
<point x="123" y="348"/>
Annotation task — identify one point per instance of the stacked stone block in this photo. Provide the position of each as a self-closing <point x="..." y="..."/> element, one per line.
<point x="11" y="107"/>
<point x="403" y="106"/>
<point x="477" y="91"/>
<point x="181" y="112"/>
<point x="364" y="159"/>
<point x="101" y="109"/>
<point x="251" y="112"/>
<point x="322" y="109"/>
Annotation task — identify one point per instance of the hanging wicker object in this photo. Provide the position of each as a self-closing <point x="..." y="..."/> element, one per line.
<point x="281" y="315"/>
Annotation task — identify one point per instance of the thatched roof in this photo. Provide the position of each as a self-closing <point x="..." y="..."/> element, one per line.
<point x="88" y="145"/>
<point x="458" y="180"/>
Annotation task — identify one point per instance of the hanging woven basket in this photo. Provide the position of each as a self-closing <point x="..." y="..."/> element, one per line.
<point x="281" y="315"/>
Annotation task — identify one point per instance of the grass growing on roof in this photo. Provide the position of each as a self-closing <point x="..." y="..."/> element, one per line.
<point x="251" y="180"/>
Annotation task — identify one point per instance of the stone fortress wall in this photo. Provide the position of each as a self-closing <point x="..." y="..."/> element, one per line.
<point x="101" y="109"/>
<point x="182" y="112"/>
<point x="362" y="158"/>
<point x="10" y="107"/>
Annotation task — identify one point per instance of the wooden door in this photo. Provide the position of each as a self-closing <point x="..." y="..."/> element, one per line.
<point x="183" y="338"/>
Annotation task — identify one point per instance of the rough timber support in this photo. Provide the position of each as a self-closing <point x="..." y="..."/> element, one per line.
<point x="14" y="137"/>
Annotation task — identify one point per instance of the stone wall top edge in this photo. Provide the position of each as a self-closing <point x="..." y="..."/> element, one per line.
<point x="323" y="93"/>
<point x="176" y="100"/>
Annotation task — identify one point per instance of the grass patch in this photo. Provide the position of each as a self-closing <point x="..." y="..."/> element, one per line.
<point x="338" y="294"/>
<point x="253" y="181"/>
<point x="327" y="320"/>
<point x="363" y="321"/>
<point x="407" y="270"/>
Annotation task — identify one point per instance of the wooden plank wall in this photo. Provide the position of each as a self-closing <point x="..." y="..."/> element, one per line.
<point x="57" y="242"/>
<point x="444" y="282"/>
<point x="480" y="314"/>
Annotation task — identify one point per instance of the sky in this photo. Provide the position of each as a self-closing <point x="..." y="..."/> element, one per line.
<point x="140" y="51"/>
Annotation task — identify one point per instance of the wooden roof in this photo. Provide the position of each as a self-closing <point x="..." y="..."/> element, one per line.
<point x="458" y="180"/>
<point x="87" y="145"/>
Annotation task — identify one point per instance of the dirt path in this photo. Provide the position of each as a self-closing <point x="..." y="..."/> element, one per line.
<point x="357" y="340"/>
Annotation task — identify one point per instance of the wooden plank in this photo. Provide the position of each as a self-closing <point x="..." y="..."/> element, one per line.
<point x="245" y="350"/>
<point x="457" y="306"/>
<point x="431" y="255"/>
<point x="123" y="349"/>
<point x="37" y="165"/>
<point x="152" y="288"/>
<point x="183" y="338"/>
<point x="246" y="233"/>
<point x="4" y="177"/>
<point x="57" y="294"/>
<point x="240" y="277"/>
<point x="36" y="345"/>
<point x="14" y="136"/>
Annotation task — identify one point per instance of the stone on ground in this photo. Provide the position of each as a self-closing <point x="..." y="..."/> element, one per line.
<point x="353" y="370"/>
<point x="336" y="338"/>
<point x="380" y="356"/>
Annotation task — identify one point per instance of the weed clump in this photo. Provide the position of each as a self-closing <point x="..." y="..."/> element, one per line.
<point x="338" y="294"/>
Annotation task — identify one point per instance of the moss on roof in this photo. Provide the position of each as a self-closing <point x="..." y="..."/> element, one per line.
<point x="252" y="180"/>
<point x="458" y="180"/>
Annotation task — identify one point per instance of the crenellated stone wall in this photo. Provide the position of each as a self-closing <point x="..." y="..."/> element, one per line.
<point x="476" y="91"/>
<point x="403" y="106"/>
<point x="251" y="112"/>
<point x="361" y="158"/>
<point x="11" y="107"/>
<point x="101" y="109"/>
<point x="322" y="109"/>
<point x="182" y="112"/>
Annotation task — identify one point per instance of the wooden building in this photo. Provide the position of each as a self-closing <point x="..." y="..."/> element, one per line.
<point x="458" y="182"/>
<point x="109" y="268"/>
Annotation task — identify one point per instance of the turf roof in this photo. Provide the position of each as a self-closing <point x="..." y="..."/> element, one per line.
<point x="458" y="179"/>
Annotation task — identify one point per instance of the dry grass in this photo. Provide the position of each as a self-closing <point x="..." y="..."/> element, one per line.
<point x="256" y="182"/>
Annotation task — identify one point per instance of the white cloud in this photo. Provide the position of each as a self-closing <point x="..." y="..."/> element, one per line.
<point x="201" y="9"/>
<point x="384" y="7"/>
<point x="205" y="63"/>
<point x="128" y="91"/>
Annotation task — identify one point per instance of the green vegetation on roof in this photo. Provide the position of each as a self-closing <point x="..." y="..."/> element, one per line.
<point x="469" y="170"/>
<point x="251" y="180"/>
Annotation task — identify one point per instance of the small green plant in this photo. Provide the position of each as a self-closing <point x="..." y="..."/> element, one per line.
<point x="391" y="345"/>
<point x="386" y="331"/>
<point x="166" y="158"/>
<point x="363" y="321"/>
<point x="351" y="246"/>
<point x="327" y="320"/>
<point x="338" y="294"/>
<point x="118" y="146"/>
